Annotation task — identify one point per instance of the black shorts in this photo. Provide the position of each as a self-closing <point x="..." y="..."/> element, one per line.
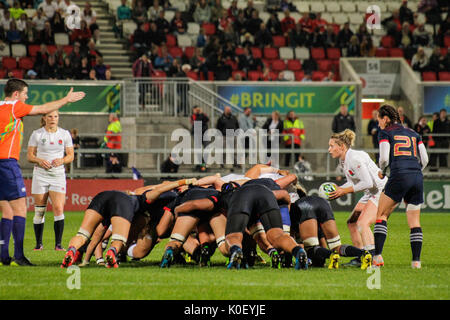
<point x="114" y="204"/>
<point x="197" y="194"/>
<point x="267" y="182"/>
<point x="406" y="186"/>
<point x="250" y="204"/>
<point x="311" y="207"/>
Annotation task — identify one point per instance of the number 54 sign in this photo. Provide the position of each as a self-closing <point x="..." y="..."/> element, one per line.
<point x="373" y="66"/>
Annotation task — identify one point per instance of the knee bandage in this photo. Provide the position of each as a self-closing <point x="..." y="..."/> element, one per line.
<point x="311" y="242"/>
<point x="105" y="243"/>
<point x="220" y="241"/>
<point x="412" y="207"/>
<point x="130" y="251"/>
<point x="334" y="242"/>
<point x="255" y="229"/>
<point x="84" y="233"/>
<point x="177" y="237"/>
<point x="286" y="229"/>
<point x="39" y="214"/>
<point x="118" y="237"/>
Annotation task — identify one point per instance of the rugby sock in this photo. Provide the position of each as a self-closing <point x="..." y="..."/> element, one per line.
<point x="38" y="231"/>
<point x="6" y="235"/>
<point x="58" y="226"/>
<point x="318" y="252"/>
<point x="380" y="234"/>
<point x="370" y="248"/>
<point x="350" y="251"/>
<point x="18" y="235"/>
<point x="295" y="250"/>
<point x="416" y="238"/>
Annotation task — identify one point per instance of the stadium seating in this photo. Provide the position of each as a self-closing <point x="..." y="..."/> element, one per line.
<point x="171" y="41"/>
<point x="270" y="53"/>
<point x="62" y="39"/>
<point x="286" y="53"/>
<point x="444" y="76"/>
<point x="396" y="52"/>
<point x="333" y="53"/>
<point x="9" y="63"/>
<point x="193" y="75"/>
<point x="176" y="52"/>
<point x="210" y="28"/>
<point x="302" y="53"/>
<point x="189" y="52"/>
<point x="294" y="65"/>
<point x="299" y="75"/>
<point x="278" y="65"/>
<point x="254" y="75"/>
<point x="429" y="76"/>
<point x="317" y="53"/>
<point x="256" y="52"/>
<point x="18" y="50"/>
<point x="279" y="41"/>
<point x="26" y="63"/>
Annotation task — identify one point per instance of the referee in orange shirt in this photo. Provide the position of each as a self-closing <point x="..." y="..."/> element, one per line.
<point x="12" y="191"/>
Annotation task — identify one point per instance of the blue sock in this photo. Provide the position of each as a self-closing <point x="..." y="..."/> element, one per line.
<point x="6" y="235"/>
<point x="18" y="235"/>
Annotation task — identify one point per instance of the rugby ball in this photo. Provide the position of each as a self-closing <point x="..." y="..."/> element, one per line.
<point x="326" y="188"/>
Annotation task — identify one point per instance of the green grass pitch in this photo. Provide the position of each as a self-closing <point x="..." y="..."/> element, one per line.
<point x="145" y="280"/>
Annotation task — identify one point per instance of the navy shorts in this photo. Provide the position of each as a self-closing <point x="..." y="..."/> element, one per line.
<point x="12" y="186"/>
<point x="406" y="186"/>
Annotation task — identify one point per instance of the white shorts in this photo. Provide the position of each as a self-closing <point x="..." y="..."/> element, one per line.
<point x="372" y="197"/>
<point x="42" y="184"/>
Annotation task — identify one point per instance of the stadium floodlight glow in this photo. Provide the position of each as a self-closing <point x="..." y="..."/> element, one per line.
<point x="372" y="100"/>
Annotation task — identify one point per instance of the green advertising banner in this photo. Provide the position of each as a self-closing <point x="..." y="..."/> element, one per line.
<point x="264" y="99"/>
<point x="100" y="98"/>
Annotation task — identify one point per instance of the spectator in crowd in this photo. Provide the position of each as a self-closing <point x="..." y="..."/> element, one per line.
<point x="92" y="75"/>
<point x="298" y="37"/>
<point x="366" y="47"/>
<point x="274" y="127"/>
<point x="343" y="120"/>
<point x="263" y="38"/>
<point x="164" y="60"/>
<point x="90" y="16"/>
<point x="436" y="62"/>
<point x="248" y="11"/>
<point x="306" y="22"/>
<point x="227" y="121"/>
<point x="142" y="67"/>
<point x="202" y="12"/>
<point x="123" y="13"/>
<point x="39" y="20"/>
<point x="108" y="75"/>
<point x="100" y="68"/>
<point x="287" y="23"/>
<point x="49" y="8"/>
<point x="139" y="13"/>
<point x="421" y="36"/>
<point x="57" y="23"/>
<point x="307" y="77"/>
<point x="254" y="23"/>
<point x="224" y="22"/>
<point x="59" y="55"/>
<point x="16" y="11"/>
<point x="92" y="52"/>
<point x="329" y="77"/>
<point x="154" y="10"/>
<point x="419" y="61"/>
<point x="140" y="39"/>
<point x="31" y="74"/>
<point x="75" y="56"/>
<point x="178" y="24"/>
<point x="315" y="39"/>
<point x="49" y="70"/>
<point x="444" y="30"/>
<point x="82" y="73"/>
<point x="362" y="32"/>
<point x="403" y="118"/>
<point x="404" y="39"/>
<point x="113" y="138"/>
<point x="162" y="24"/>
<point x="82" y="35"/>
<point x="201" y="117"/>
<point x="65" y="5"/>
<point x="247" y="62"/>
<point x="113" y="163"/>
<point x="294" y="135"/>
<point x="230" y="35"/>
<point x="248" y="40"/>
<point x="169" y="166"/>
<point x="216" y="62"/>
<point x="329" y="37"/>
<point x="240" y="23"/>
<point x="197" y="62"/>
<point x="246" y="122"/>
<point x="29" y="35"/>
<point x="175" y="70"/>
<point x="372" y="130"/>
<point x="233" y="10"/>
<point x="201" y="38"/>
<point x="430" y="123"/>
<point x="344" y="36"/>
<point x="48" y="36"/>
<point x="22" y="22"/>
<point x="423" y="129"/>
<point x="303" y="169"/>
<point x="274" y="25"/>
<point x="405" y="13"/>
<point x="440" y="126"/>
<point x="66" y="72"/>
<point x="392" y="23"/>
<point x="229" y="51"/>
<point x="320" y="22"/>
<point x="432" y="12"/>
<point x="354" y="49"/>
<point x="218" y="12"/>
<point x="155" y="36"/>
<point x="13" y="35"/>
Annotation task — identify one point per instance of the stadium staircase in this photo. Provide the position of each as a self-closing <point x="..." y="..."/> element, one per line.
<point x="114" y="50"/>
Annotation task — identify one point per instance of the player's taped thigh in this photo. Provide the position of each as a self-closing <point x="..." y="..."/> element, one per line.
<point x="220" y="241"/>
<point x="84" y="233"/>
<point x="334" y="242"/>
<point x="177" y="237"/>
<point x="255" y="229"/>
<point x="311" y="242"/>
<point x="39" y="214"/>
<point x="413" y="207"/>
<point x="118" y="237"/>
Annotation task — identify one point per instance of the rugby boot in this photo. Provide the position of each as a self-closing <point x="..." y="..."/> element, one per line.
<point x="111" y="259"/>
<point x="236" y="259"/>
<point x="69" y="258"/>
<point x="334" y="261"/>
<point x="366" y="260"/>
<point x="21" y="262"/>
<point x="167" y="258"/>
<point x="377" y="261"/>
<point x="301" y="260"/>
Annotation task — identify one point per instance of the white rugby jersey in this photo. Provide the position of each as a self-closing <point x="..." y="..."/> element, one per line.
<point x="273" y="176"/>
<point x="50" y="146"/>
<point x="361" y="172"/>
<point x="233" y="177"/>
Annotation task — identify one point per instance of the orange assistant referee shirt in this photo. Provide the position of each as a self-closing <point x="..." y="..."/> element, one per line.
<point x="11" y="127"/>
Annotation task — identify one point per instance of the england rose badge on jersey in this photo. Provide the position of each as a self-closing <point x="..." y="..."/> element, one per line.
<point x="350" y="172"/>
<point x="60" y="142"/>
